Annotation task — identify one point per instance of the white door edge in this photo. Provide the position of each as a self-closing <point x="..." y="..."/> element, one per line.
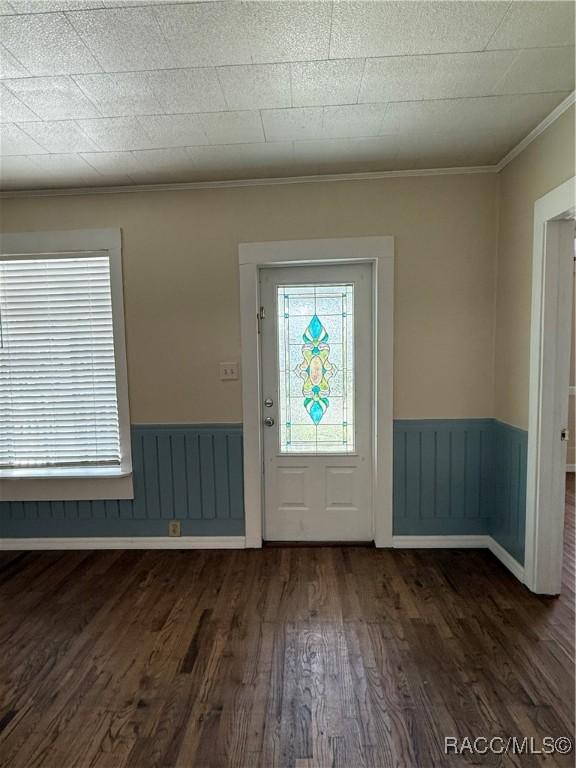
<point x="544" y="503"/>
<point x="252" y="256"/>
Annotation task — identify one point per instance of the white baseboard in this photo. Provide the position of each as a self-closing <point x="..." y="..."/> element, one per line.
<point x="506" y="559"/>
<point x="461" y="542"/>
<point x="440" y="542"/>
<point x="127" y="542"/>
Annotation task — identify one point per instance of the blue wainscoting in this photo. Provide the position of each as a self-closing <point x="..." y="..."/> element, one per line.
<point x="451" y="477"/>
<point x="189" y="473"/>
<point x="443" y="476"/>
<point x="508" y="513"/>
<point x="461" y="477"/>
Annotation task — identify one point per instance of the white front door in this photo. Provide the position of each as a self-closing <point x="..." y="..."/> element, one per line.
<point x="317" y="413"/>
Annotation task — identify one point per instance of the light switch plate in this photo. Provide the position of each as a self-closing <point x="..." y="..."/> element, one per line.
<point x="228" y="371"/>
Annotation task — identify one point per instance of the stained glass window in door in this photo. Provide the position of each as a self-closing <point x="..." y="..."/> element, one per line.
<point x="316" y="368"/>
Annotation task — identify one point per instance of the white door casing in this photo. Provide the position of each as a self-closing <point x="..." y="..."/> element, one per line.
<point x="376" y="251"/>
<point x="549" y="376"/>
<point x="317" y="357"/>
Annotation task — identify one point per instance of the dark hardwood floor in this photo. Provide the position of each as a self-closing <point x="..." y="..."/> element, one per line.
<point x="292" y="657"/>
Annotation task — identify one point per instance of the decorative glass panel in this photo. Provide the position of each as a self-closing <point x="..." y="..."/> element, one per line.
<point x="316" y="368"/>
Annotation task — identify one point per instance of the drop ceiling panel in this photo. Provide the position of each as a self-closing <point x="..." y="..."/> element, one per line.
<point x="535" y="25"/>
<point x="256" y="86"/>
<point x="14" y="141"/>
<point x="409" y="28"/>
<point x="442" y="76"/>
<point x="46" y="44"/>
<point x="501" y="117"/>
<point x="188" y="90"/>
<point x="138" y="91"/>
<point x="123" y="38"/>
<point x="12" y="110"/>
<point x="120" y="94"/>
<point x="53" y="98"/>
<point x="539" y="70"/>
<point x="326" y="82"/>
<point x="287" y="31"/>
<point x="205" y="34"/>
<point x="117" y="133"/>
<point x="60" y="137"/>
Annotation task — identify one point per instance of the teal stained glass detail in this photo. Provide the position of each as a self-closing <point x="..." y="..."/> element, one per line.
<point x="316" y="381"/>
<point x="316" y="370"/>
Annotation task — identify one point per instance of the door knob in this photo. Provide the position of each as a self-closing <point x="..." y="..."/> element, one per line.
<point x="269" y="421"/>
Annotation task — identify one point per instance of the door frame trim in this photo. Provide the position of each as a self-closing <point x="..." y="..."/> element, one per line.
<point x="545" y="481"/>
<point x="378" y="251"/>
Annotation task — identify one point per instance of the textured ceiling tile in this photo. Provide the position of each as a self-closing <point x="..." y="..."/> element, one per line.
<point x="232" y="127"/>
<point x="112" y="163"/>
<point x="6" y="8"/>
<point x="10" y="66"/>
<point x="448" y="75"/>
<point x="347" y="155"/>
<point x="174" y="130"/>
<point x="188" y="90"/>
<point x="163" y="165"/>
<point x="18" y="172"/>
<point x="53" y="98"/>
<point x="12" y="110"/>
<point x="205" y="34"/>
<point x="124" y="39"/>
<point x="117" y="133"/>
<point x="67" y="170"/>
<point x="316" y="83"/>
<point x="291" y="124"/>
<point x="395" y="28"/>
<point x="287" y="31"/>
<point x="60" y="136"/>
<point x="120" y="94"/>
<point x="49" y="6"/>
<point x="539" y="69"/>
<point x="258" y="86"/>
<point x="353" y="120"/>
<point x="243" y="161"/>
<point x="13" y="141"/>
<point x="46" y="44"/>
<point x="535" y="24"/>
<point x="505" y="118"/>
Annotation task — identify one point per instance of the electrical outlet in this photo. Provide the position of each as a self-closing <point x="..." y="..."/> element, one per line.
<point x="174" y="528"/>
<point x="228" y="371"/>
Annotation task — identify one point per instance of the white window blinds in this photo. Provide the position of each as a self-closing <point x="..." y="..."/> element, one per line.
<point x="58" y="400"/>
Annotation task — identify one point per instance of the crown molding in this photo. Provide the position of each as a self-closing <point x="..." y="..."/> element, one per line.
<point x="234" y="183"/>
<point x="540" y="128"/>
<point x="279" y="181"/>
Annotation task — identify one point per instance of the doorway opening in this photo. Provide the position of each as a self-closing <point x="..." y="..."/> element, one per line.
<point x="317" y="347"/>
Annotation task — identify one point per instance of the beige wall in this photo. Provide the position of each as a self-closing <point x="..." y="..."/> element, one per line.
<point x="182" y="295"/>
<point x="545" y="164"/>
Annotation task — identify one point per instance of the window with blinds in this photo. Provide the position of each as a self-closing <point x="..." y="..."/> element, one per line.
<point x="58" y="397"/>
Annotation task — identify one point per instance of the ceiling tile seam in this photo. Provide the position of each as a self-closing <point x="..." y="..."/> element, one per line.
<point x="360" y="84"/>
<point x="291" y="86"/>
<point x="17" y="60"/>
<point x="222" y="91"/>
<point x="330" y="31"/>
<point x="160" y="30"/>
<point x="502" y="75"/>
<point x="504" y="15"/>
<point x="502" y="96"/>
<point x="103" y="175"/>
<point x="263" y="129"/>
<point x="15" y="96"/>
<point x="82" y="41"/>
<point x="103" y="71"/>
<point x="36" y="141"/>
<point x="86" y="96"/>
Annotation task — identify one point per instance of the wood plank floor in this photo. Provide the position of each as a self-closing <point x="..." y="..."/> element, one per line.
<point x="292" y="657"/>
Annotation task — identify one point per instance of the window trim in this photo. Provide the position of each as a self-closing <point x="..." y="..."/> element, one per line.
<point x="78" y="483"/>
